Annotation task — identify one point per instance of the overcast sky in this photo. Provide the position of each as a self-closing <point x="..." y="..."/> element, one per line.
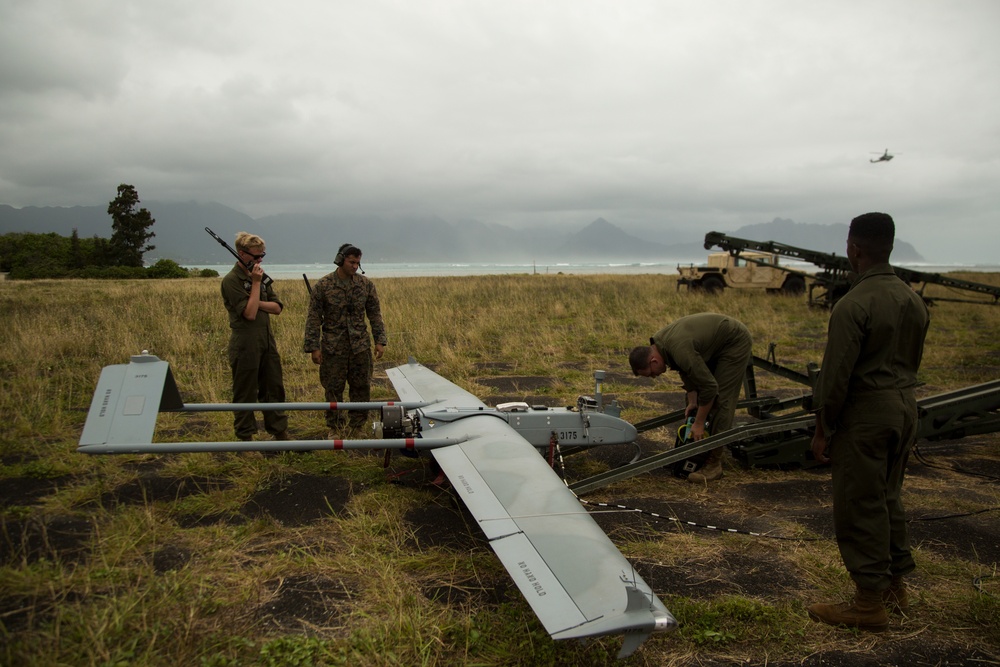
<point x="652" y="114"/>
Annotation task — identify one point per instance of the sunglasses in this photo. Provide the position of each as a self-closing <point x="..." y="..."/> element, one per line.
<point x="260" y="256"/>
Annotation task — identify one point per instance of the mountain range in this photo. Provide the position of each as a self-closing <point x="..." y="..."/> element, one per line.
<point x="305" y="239"/>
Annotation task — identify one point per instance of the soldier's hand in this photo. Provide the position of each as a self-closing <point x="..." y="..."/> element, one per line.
<point x="317" y="356"/>
<point x="698" y="431"/>
<point x="820" y="446"/>
<point x="378" y="351"/>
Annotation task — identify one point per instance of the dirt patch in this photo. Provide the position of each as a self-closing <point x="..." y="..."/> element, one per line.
<point x="301" y="499"/>
<point x="19" y="613"/>
<point x="146" y="466"/>
<point x="613" y="456"/>
<point x="305" y="604"/>
<point x="215" y="518"/>
<point x="516" y="385"/>
<point x="497" y="366"/>
<point x="807" y="502"/>
<point x="169" y="558"/>
<point x="471" y="593"/>
<point x="25" y="491"/>
<point x="974" y="538"/>
<point x="629" y="380"/>
<point x="726" y="572"/>
<point x="667" y="401"/>
<point x="151" y="487"/>
<point x="64" y="539"/>
<point x="445" y="525"/>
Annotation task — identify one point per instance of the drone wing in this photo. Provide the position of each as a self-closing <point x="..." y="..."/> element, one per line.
<point x="572" y="575"/>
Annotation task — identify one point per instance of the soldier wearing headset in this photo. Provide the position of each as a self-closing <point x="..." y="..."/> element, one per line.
<point x="337" y="337"/>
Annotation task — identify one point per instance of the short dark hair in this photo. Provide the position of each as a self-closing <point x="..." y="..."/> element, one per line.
<point x="874" y="232"/>
<point x="638" y="358"/>
<point x="345" y="251"/>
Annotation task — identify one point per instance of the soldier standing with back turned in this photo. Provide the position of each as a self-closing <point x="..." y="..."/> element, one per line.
<point x="337" y="337"/>
<point x="866" y="422"/>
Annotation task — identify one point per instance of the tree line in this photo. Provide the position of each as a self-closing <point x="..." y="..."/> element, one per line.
<point x="26" y="255"/>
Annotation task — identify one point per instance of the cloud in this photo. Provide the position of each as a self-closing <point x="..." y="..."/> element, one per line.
<point x="638" y="111"/>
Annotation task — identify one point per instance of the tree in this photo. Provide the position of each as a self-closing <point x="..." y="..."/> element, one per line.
<point x="100" y="251"/>
<point x="26" y="255"/>
<point x="76" y="257"/>
<point x="130" y="227"/>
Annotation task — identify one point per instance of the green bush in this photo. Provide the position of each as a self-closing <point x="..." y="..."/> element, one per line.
<point x="166" y="268"/>
<point x="37" y="267"/>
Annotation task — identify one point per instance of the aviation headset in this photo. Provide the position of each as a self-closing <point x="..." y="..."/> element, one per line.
<point x="339" y="258"/>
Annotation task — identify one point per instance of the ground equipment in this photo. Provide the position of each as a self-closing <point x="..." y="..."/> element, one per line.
<point x="780" y="434"/>
<point x="749" y="264"/>
<point x="744" y="270"/>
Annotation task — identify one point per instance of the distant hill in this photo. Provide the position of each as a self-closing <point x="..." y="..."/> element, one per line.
<point x="293" y="238"/>
<point x="600" y="240"/>
<point x="825" y="238"/>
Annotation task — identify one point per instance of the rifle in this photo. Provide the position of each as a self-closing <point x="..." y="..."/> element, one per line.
<point x="308" y="286"/>
<point x="249" y="265"/>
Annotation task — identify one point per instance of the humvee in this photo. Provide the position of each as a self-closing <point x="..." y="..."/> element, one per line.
<point x="746" y="270"/>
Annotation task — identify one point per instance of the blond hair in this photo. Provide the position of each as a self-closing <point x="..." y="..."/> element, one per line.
<point x="246" y="240"/>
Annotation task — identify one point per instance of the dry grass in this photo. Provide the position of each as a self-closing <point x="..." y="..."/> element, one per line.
<point x="170" y="565"/>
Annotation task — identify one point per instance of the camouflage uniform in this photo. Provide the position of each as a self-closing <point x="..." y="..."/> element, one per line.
<point x="253" y="356"/>
<point x="336" y="325"/>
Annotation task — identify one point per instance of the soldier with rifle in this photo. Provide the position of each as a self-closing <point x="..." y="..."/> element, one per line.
<point x="337" y="337"/>
<point x="251" y="301"/>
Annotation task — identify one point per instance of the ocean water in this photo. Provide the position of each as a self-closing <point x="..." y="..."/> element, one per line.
<point x="422" y="269"/>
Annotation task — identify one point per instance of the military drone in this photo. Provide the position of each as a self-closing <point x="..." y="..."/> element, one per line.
<point x="573" y="577"/>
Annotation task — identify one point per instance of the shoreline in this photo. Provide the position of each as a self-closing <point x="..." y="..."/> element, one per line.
<point x="389" y="270"/>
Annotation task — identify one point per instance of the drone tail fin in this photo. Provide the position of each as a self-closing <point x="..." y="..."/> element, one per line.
<point x="127" y="401"/>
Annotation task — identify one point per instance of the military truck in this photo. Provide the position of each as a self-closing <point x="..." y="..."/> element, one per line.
<point x="743" y="270"/>
<point x="748" y="264"/>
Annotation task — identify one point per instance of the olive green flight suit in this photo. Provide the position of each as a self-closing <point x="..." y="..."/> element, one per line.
<point x="253" y="356"/>
<point x="867" y="407"/>
<point x="711" y="353"/>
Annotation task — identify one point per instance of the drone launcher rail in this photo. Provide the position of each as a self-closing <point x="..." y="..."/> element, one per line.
<point x="833" y="280"/>
<point x="785" y="440"/>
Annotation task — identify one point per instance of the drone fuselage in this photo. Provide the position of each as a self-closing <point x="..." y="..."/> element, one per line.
<point x="541" y="425"/>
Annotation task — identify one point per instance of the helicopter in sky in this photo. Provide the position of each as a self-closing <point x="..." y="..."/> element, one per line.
<point x="884" y="157"/>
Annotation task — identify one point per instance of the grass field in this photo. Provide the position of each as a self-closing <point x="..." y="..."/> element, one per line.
<point x="330" y="558"/>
